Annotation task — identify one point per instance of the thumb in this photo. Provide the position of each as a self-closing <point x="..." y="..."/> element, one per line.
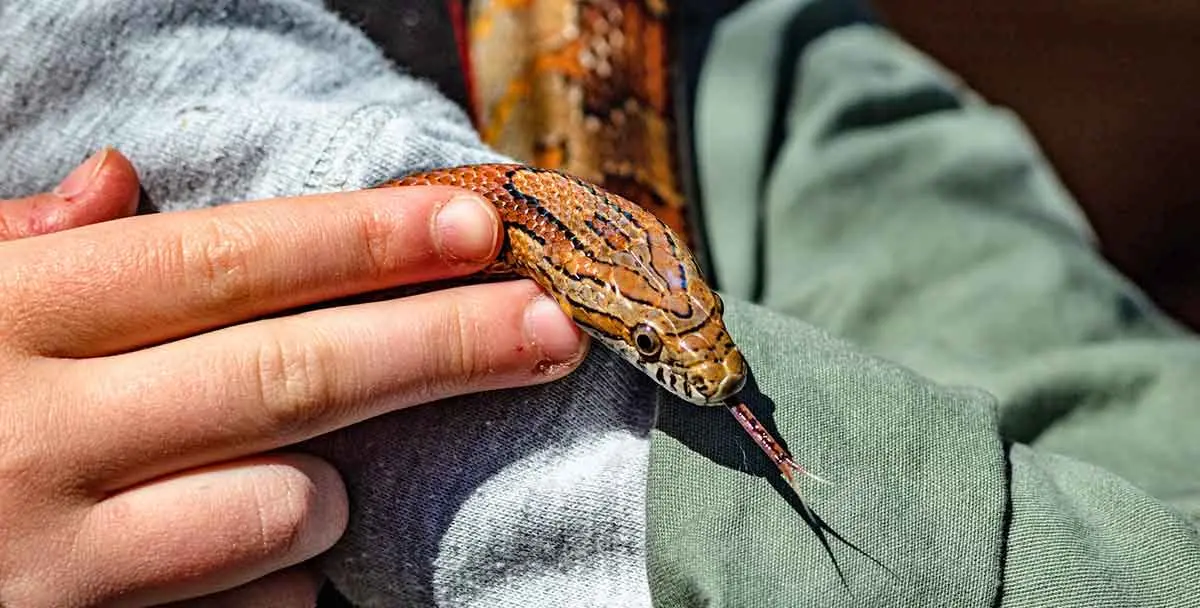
<point x="104" y="187"/>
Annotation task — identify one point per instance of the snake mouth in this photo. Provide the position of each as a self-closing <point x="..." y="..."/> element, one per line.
<point x="732" y="380"/>
<point x="729" y="387"/>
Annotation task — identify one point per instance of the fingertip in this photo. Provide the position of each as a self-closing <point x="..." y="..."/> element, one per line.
<point x="214" y="528"/>
<point x="555" y="335"/>
<point x="332" y="505"/>
<point x="302" y="494"/>
<point x="114" y="189"/>
<point x="466" y="229"/>
<point x="103" y="187"/>
<point x="549" y="370"/>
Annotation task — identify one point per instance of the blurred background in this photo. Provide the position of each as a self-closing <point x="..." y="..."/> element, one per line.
<point x="1110" y="88"/>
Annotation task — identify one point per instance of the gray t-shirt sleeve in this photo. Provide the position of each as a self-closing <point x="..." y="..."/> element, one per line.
<point x="214" y="101"/>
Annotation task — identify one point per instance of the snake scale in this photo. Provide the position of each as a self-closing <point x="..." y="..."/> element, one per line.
<point x="586" y="87"/>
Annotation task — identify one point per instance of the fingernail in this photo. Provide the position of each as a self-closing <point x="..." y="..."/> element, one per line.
<point x="465" y="229"/>
<point x="78" y="180"/>
<point x="550" y="329"/>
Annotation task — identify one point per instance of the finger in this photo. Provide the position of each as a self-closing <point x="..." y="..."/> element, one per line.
<point x="296" y="587"/>
<point x="103" y="188"/>
<point x="259" y="386"/>
<point x="143" y="280"/>
<point x="211" y="530"/>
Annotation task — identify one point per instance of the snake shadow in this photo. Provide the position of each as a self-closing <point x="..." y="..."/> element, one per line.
<point x="715" y="434"/>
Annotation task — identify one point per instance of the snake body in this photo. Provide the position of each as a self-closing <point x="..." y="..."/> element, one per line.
<point x="620" y="273"/>
<point x="590" y="89"/>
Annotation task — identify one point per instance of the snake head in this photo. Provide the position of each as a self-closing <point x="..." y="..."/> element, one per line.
<point x="699" y="361"/>
<point x="692" y="356"/>
<point x="626" y="278"/>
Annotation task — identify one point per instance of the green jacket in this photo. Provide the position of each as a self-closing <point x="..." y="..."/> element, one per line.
<point x="1005" y="419"/>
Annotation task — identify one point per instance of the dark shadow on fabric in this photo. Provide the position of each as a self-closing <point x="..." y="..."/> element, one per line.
<point x="715" y="434"/>
<point x="1005" y="525"/>
<point x="146" y="205"/>
<point x="1129" y="312"/>
<point x="330" y="598"/>
<point x="869" y="112"/>
<point x="419" y="36"/>
<point x="810" y="22"/>
<point x="691" y="25"/>
<point x="1041" y="407"/>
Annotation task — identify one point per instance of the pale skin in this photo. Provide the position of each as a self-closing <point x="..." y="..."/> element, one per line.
<point x="143" y="386"/>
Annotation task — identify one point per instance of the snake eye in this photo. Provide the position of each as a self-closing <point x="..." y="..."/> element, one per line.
<point x="647" y="342"/>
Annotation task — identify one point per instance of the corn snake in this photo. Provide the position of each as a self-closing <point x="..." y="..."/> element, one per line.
<point x="622" y="274"/>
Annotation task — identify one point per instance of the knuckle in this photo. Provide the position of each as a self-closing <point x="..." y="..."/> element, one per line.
<point x="294" y="380"/>
<point x="26" y="460"/>
<point x="463" y="361"/>
<point x="217" y="254"/>
<point x="21" y="467"/>
<point x="7" y="231"/>
<point x="375" y="243"/>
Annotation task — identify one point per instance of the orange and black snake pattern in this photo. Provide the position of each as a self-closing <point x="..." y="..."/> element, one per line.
<point x="582" y="86"/>
<point x="622" y="274"/>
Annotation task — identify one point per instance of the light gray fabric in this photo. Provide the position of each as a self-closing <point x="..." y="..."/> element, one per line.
<point x="214" y="101"/>
<point x="526" y="498"/>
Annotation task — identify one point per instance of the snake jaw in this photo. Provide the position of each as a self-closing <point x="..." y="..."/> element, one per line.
<point x="706" y="383"/>
<point x="734" y="380"/>
<point x="719" y="381"/>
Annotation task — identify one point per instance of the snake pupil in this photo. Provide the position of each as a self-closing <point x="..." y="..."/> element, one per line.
<point x="644" y="343"/>
<point x="646" y="340"/>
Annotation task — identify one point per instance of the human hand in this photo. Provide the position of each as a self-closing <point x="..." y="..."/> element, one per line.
<point x="144" y="386"/>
